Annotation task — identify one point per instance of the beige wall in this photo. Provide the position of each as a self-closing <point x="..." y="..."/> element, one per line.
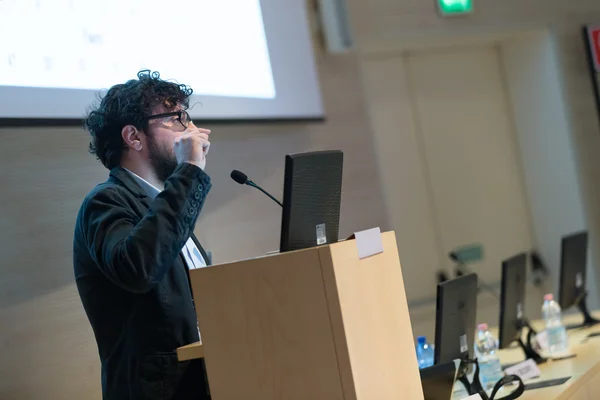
<point x="48" y="350"/>
<point x="445" y="135"/>
<point x="545" y="140"/>
<point x="386" y="29"/>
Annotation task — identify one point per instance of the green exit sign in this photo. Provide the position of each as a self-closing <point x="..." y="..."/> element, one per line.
<point x="455" y="7"/>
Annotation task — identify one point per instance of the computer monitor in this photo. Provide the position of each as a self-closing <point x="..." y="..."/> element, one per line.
<point x="572" y="283"/>
<point x="455" y="319"/>
<point x="512" y="307"/>
<point x="311" y="199"/>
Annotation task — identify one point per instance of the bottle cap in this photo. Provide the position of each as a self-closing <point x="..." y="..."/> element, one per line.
<point x="421" y="339"/>
<point x="549" y="297"/>
<point x="482" y="327"/>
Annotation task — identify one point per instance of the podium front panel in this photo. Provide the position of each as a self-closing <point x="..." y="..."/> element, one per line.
<point x="266" y="329"/>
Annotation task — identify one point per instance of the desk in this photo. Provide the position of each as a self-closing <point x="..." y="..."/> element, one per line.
<point x="190" y="352"/>
<point x="584" y="369"/>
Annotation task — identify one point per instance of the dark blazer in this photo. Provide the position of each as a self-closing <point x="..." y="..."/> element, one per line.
<point x="134" y="283"/>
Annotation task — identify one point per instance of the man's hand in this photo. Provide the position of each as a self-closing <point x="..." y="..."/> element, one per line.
<point x="192" y="147"/>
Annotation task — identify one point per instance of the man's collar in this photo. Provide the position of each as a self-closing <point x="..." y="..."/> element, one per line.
<point x="149" y="189"/>
<point x="128" y="180"/>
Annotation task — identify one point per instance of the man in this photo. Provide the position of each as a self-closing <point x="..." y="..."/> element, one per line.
<point x="134" y="243"/>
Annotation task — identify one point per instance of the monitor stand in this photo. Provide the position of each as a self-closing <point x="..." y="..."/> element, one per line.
<point x="527" y="347"/>
<point x="588" y="320"/>
<point x="475" y="386"/>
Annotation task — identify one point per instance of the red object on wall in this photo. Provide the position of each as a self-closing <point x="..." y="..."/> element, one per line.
<point x="594" y="43"/>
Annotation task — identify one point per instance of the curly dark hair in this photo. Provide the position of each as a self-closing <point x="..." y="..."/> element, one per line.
<point x="129" y="103"/>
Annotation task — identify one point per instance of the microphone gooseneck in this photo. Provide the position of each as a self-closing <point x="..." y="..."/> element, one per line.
<point x="242" y="179"/>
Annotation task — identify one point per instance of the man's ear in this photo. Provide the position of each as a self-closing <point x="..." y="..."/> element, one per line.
<point x="132" y="138"/>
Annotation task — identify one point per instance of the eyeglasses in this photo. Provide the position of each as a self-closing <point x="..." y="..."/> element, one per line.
<point x="182" y="116"/>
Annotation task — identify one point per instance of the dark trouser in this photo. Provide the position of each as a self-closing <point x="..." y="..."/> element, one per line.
<point x="194" y="383"/>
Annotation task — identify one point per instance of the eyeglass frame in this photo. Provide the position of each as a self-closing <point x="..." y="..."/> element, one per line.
<point x="179" y="114"/>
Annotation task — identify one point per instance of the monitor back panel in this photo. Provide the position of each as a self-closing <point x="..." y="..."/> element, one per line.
<point x="455" y="318"/>
<point x="311" y="199"/>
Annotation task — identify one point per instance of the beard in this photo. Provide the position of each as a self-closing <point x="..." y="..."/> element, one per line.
<point x="162" y="161"/>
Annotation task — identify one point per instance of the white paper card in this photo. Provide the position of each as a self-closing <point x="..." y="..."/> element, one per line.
<point x="542" y="340"/>
<point x="473" y="397"/>
<point x="463" y="343"/>
<point x="321" y="234"/>
<point x="368" y="242"/>
<point x="526" y="370"/>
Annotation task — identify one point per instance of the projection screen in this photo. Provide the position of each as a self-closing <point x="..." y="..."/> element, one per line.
<point x="245" y="59"/>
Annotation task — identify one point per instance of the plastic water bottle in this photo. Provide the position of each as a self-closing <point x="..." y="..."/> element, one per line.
<point x="558" y="341"/>
<point x="424" y="352"/>
<point x="486" y="348"/>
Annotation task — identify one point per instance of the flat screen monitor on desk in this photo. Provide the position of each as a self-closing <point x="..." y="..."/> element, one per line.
<point x="455" y="319"/>
<point x="512" y="306"/>
<point x="311" y="199"/>
<point x="572" y="284"/>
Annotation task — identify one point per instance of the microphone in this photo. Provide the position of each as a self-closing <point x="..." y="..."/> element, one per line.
<point x="242" y="179"/>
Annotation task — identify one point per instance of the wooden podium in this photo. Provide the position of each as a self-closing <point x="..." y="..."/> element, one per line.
<point x="311" y="324"/>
